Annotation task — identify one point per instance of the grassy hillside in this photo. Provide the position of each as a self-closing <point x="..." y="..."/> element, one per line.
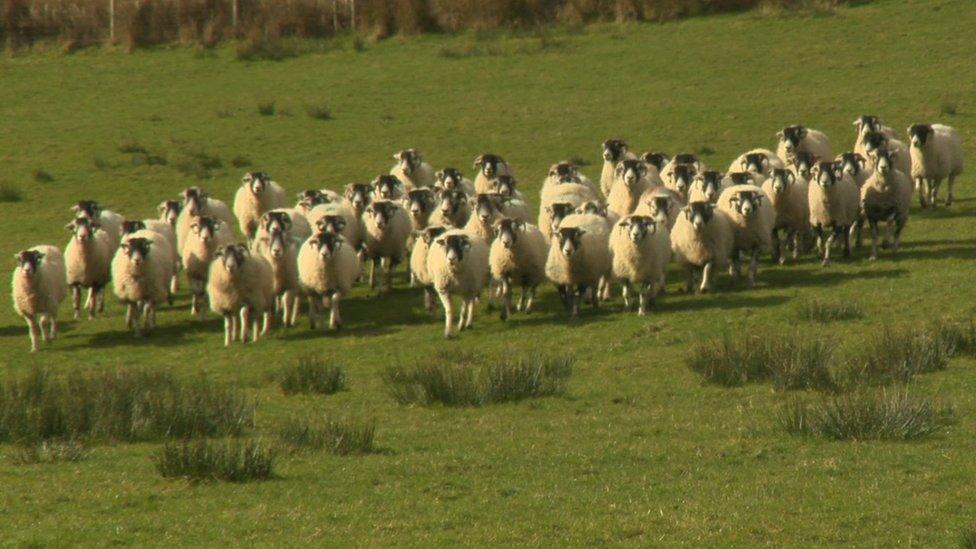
<point x="638" y="450"/>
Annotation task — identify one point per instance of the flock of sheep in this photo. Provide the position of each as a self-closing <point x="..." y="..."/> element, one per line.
<point x="461" y="236"/>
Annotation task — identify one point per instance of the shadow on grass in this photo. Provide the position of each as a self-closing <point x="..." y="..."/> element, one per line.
<point x="166" y="334"/>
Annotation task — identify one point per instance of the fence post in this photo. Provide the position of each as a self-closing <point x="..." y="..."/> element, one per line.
<point x="352" y="15"/>
<point x="111" y="20"/>
<point x="335" y="16"/>
<point x="233" y="13"/>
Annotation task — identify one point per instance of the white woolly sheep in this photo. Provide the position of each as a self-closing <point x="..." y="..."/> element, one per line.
<point x="38" y="288"/>
<point x="875" y="141"/>
<point x="702" y="241"/>
<point x="869" y="123"/>
<point x="387" y="228"/>
<point x="327" y="269"/>
<point x="418" y="262"/>
<point x="886" y="196"/>
<point x="295" y="225"/>
<point x="207" y="234"/>
<point x="661" y="205"/>
<point x="796" y="139"/>
<point x="454" y="209"/>
<point x="453" y="180"/>
<point x="752" y="219"/>
<point x="834" y="206"/>
<point x="197" y="203"/>
<point x="257" y="195"/>
<point x="489" y="167"/>
<point x="108" y="221"/>
<point x="506" y="186"/>
<point x="566" y="173"/>
<point x="275" y="242"/>
<point x="358" y="196"/>
<point x="936" y="154"/>
<point x="707" y="186"/>
<point x="629" y="184"/>
<point x="88" y="262"/>
<point x="412" y="170"/>
<point x="165" y="230"/>
<point x="518" y="257"/>
<point x="311" y="198"/>
<point x="457" y="264"/>
<point x="694" y="164"/>
<point x="141" y="272"/>
<point x="802" y="165"/>
<point x="241" y="284"/>
<point x="389" y="187"/>
<point x="614" y="151"/>
<point x="486" y="210"/>
<point x="855" y="166"/>
<point x="552" y="214"/>
<point x="579" y="259"/>
<point x="420" y="203"/>
<point x="596" y="207"/>
<point x="641" y="251"/>
<point x="339" y="218"/>
<point x="757" y="161"/>
<point x="678" y="178"/>
<point x="788" y="196"/>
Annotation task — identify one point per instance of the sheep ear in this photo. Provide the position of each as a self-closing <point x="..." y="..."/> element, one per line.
<point x="790" y="177"/>
<point x="743" y="164"/>
<point x="70" y="226"/>
<point x="803" y="132"/>
<point x="161" y="208"/>
<point x="549" y="210"/>
<point x="765" y="161"/>
<point x="439" y="175"/>
<point x="396" y="156"/>
<point x="857" y="123"/>
<point x="479" y="160"/>
<point x="780" y="135"/>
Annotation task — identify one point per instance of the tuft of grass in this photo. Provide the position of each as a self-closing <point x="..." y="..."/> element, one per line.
<point x="791" y="361"/>
<point x="828" y="310"/>
<point x="889" y="413"/>
<point x="471" y="50"/>
<point x="464" y="380"/>
<point x="266" y="108"/>
<point x="337" y="437"/>
<point x="260" y="46"/>
<point x="125" y="405"/>
<point x="950" y="108"/>
<point x="10" y="193"/>
<point x="131" y="147"/>
<point x="204" y="460"/>
<point x="42" y="176"/>
<point x="968" y="539"/>
<point x="240" y="161"/>
<point x="198" y="163"/>
<point x="962" y="336"/>
<point x="359" y="44"/>
<point x="318" y="110"/>
<point x="311" y="375"/>
<point x="150" y="159"/>
<point x="705" y="150"/>
<point x="226" y="112"/>
<point x="100" y="163"/>
<point x="49" y="451"/>
<point x="897" y="354"/>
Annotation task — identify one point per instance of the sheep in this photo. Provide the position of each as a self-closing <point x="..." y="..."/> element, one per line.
<point x="454" y="209"/>
<point x="694" y="166"/>
<point x="278" y="245"/>
<point x="515" y="208"/>
<point x="854" y="165"/>
<point x="257" y="195"/>
<point x="741" y="178"/>
<point x="579" y="259"/>
<point x="569" y="186"/>
<point x="489" y="167"/>
<point x="834" y="202"/>
<point x="339" y="218"/>
<point x="875" y="141"/>
<point x="563" y="173"/>
<point x="614" y="151"/>
<point x="38" y="287"/>
<point x="327" y="269"/>
<point x="869" y="123"/>
<point x="389" y="187"/>
<point x="197" y="203"/>
<point x="886" y="196"/>
<point x="629" y="184"/>
<point x="788" y="197"/>
<point x="662" y="205"/>
<point x="518" y="257"/>
<point x="707" y="186"/>
<point x="169" y="212"/>
<point x="802" y="164"/>
<point x="678" y="179"/>
<point x="418" y="262"/>
<point x="796" y="139"/>
<point x="387" y="228"/>
<point x="702" y="241"/>
<point x="452" y="179"/>
<point x="358" y="196"/>
<point x="936" y="153"/>
<point x="165" y="230"/>
<point x="552" y="214"/>
<point x="505" y="185"/>
<point x="141" y="272"/>
<point x="109" y="221"/>
<point x="420" y="203"/>
<point x="752" y="218"/>
<point x="596" y="207"/>
<point x="88" y="259"/>
<point x="311" y="198"/>
<point x="757" y="161"/>
<point x="295" y="225"/>
<point x="641" y="250"/>
<point x="241" y="284"/>
<point x="207" y="234"/>
<point x="457" y="264"/>
<point x="657" y="160"/>
<point x="412" y="170"/>
<point x="487" y="208"/>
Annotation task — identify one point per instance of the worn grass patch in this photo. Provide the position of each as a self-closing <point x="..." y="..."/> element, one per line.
<point x="10" y="193"/>
<point x="42" y="176"/>
<point x="466" y="380"/>
<point x="49" y="451"/>
<point x="334" y="436"/>
<point x="823" y="310"/>
<point x="790" y="361"/>
<point x="888" y="413"/>
<point x="267" y="108"/>
<point x="318" y="110"/>
<point x="209" y="460"/>
<point x="311" y="375"/>
<point x="968" y="540"/>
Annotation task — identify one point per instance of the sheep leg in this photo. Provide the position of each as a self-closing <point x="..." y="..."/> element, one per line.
<point x="174" y="286"/>
<point x="448" y="314"/>
<point x="564" y="296"/>
<point x="818" y="231"/>
<point x="147" y="318"/>
<point x="934" y="190"/>
<point x="690" y="286"/>
<point x="245" y="323"/>
<point x="506" y="288"/>
<point x="428" y="299"/>
<point x="856" y="231"/>
<point x="391" y="265"/>
<point x="130" y="315"/>
<point x="90" y="302"/>
<point x="52" y="327"/>
<point x="228" y="327"/>
<point x="896" y="239"/>
<point x="778" y="256"/>
<point x="643" y="297"/>
<point x="845" y="233"/>
<point x="625" y="293"/>
<point x="920" y="187"/>
<point x="595" y="295"/>
<point x="296" y="307"/>
<point x="335" y="321"/>
<point x="874" y="240"/>
<point x="100" y="297"/>
<point x="372" y="274"/>
<point x="265" y="322"/>
<point x="469" y="319"/>
<point x="706" y="283"/>
<point x="529" y="297"/>
<point x="76" y="299"/>
<point x="313" y="312"/>
<point x="574" y="297"/>
<point x="32" y="329"/>
<point x="797" y="243"/>
<point x="951" y="183"/>
<point x="827" y="246"/>
<point x="753" y="267"/>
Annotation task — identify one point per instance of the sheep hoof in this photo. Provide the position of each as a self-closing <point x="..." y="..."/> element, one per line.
<point x="825" y="263"/>
<point x="873" y="257"/>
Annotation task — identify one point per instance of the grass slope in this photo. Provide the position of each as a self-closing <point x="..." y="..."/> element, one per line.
<point x="638" y="450"/>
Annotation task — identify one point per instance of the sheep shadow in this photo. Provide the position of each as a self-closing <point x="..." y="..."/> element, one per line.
<point x="721" y="299"/>
<point x="821" y="276"/>
<point x="165" y="334"/>
<point x="952" y="252"/>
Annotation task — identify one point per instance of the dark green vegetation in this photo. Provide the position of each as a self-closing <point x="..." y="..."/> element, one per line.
<point x="311" y="375"/>
<point x="230" y="461"/>
<point x="637" y="449"/>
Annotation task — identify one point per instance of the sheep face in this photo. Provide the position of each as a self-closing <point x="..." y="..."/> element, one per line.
<point x="326" y="244"/>
<point x="28" y="261"/>
<point x="852" y="163"/>
<point x="564" y="172"/>
<point x="867" y="123"/>
<point x="137" y="250"/>
<point x="359" y="195"/>
<point x="630" y="172"/>
<point x="87" y="208"/>
<point x="489" y="164"/>
<point x="507" y="230"/>
<point x="193" y="199"/>
<point x="656" y="159"/>
<point x="486" y="206"/>
<point x="685" y="159"/>
<point x="83" y="228"/>
<point x="874" y="141"/>
<point x="504" y="185"/>
<point x="791" y="137"/>
<point x="129" y="227"/>
<point x="919" y="134"/>
<point x="746" y="202"/>
<point x="755" y="163"/>
<point x="782" y="179"/>
<point x="592" y="207"/>
<point x="741" y="178"/>
<point x="884" y="165"/>
<point x="710" y="183"/>
<point x="638" y="227"/>
<point x="683" y="176"/>
<point x="570" y="240"/>
<point x="169" y="211"/>
<point x="409" y="160"/>
<point x="455" y="247"/>
<point x="429" y="234"/>
<point x="826" y="174"/>
<point x="232" y="257"/>
<point x="449" y="178"/>
<point x="452" y="201"/>
<point x="276" y="222"/>
<point x="557" y="211"/>
<point x="388" y="187"/>
<point x="257" y="182"/>
<point x="311" y="198"/>
<point x="699" y="214"/>
<point x="381" y="213"/>
<point x="660" y="208"/>
<point x="614" y="150"/>
<point x="333" y="224"/>
<point x="419" y="202"/>
<point x="205" y="227"/>
<point x="804" y="162"/>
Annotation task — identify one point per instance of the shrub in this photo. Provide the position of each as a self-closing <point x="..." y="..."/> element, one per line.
<point x="10" y="193"/>
<point x="790" y="361"/>
<point x="311" y="375"/>
<point x="240" y="161"/>
<point x="261" y="45"/>
<point x="132" y="147"/>
<point x="49" y="451"/>
<point x="42" y="176"/>
<point x="949" y="108"/>
<point x="896" y="354"/>
<point x="266" y="108"/>
<point x="335" y="436"/>
<point x="318" y="111"/>
<point x="468" y="381"/>
<point x="969" y="539"/>
<point x="827" y="310"/>
<point x="125" y="405"/>
<point x="198" y="163"/>
<point x="880" y="414"/>
<point x="203" y="460"/>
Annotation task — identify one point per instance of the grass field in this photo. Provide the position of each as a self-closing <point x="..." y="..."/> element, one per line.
<point x="637" y="451"/>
